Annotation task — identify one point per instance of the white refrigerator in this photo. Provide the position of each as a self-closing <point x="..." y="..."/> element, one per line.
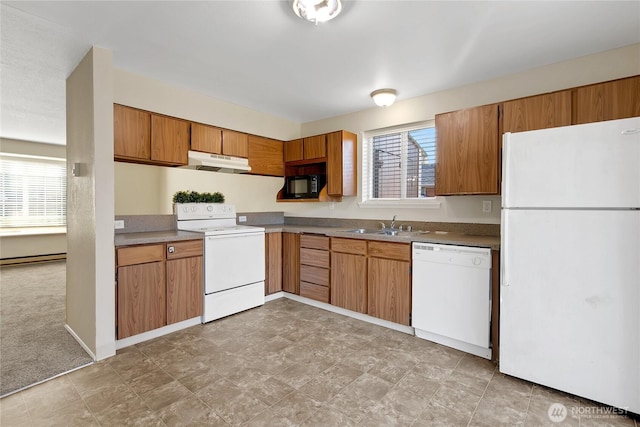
<point x="570" y="266"/>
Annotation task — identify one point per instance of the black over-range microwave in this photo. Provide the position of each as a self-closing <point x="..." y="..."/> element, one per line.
<point x="304" y="186"/>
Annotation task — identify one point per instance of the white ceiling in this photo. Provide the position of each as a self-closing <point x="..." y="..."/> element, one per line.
<point x="260" y="55"/>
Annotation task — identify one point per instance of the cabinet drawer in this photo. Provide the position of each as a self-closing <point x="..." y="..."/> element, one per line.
<point x="349" y="246"/>
<point x="316" y="292"/>
<point x="317" y="275"/>
<point x="314" y="242"/>
<point x="140" y="254"/>
<point x="399" y="251"/>
<point x="316" y="257"/>
<point x="184" y="249"/>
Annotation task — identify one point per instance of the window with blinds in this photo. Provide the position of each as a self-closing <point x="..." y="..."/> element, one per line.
<point x="399" y="163"/>
<point x="33" y="191"/>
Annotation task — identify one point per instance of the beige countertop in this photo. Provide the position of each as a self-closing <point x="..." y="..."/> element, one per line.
<point x="126" y="239"/>
<point x="424" y="236"/>
<point x="430" y="236"/>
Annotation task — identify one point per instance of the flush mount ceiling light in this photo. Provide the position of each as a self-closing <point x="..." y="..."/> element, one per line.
<point x="384" y="97"/>
<point x="317" y="10"/>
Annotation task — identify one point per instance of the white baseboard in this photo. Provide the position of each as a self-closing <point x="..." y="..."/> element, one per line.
<point x="82" y="344"/>
<point x="275" y="296"/>
<point x="156" y="333"/>
<point x="364" y="317"/>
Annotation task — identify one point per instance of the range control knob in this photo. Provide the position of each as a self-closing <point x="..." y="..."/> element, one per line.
<point x="477" y="260"/>
<point x="209" y="208"/>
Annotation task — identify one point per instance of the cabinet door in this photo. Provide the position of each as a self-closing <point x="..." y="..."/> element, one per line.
<point x="293" y="150"/>
<point x="315" y="147"/>
<point x="291" y="263"/>
<point x="131" y="133"/>
<point x="341" y="164"/>
<point x="207" y="139"/>
<point x="537" y="112"/>
<point x="169" y="140"/>
<point x="273" y="263"/>
<point x="389" y="290"/>
<point x="235" y="143"/>
<point x="468" y="151"/>
<point x="141" y="298"/>
<point x="184" y="289"/>
<point x="266" y="156"/>
<point x="349" y="281"/>
<point x="619" y="99"/>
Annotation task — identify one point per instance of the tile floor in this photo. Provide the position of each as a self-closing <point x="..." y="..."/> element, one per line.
<point x="289" y="364"/>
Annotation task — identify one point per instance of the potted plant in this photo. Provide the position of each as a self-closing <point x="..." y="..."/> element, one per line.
<point x="185" y="197"/>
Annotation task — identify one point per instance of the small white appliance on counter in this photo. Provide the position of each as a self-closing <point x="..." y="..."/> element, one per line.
<point x="451" y="296"/>
<point x="234" y="264"/>
<point x="570" y="282"/>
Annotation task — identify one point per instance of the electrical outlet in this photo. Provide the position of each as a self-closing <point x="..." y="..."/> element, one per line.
<point x="486" y="206"/>
<point x="119" y="224"/>
<point x="242" y="218"/>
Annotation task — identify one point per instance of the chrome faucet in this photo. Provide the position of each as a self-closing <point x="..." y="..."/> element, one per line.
<point x="393" y="222"/>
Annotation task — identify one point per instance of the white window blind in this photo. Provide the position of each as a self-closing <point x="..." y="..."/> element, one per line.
<point x="33" y="191"/>
<point x="399" y="163"/>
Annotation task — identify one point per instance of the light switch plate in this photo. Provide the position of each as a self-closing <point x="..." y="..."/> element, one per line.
<point x="486" y="206"/>
<point x="119" y="224"/>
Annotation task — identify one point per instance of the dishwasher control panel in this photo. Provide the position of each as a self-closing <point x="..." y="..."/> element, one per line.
<point x="450" y="254"/>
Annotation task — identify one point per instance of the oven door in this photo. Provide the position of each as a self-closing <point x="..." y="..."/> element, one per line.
<point x="233" y="260"/>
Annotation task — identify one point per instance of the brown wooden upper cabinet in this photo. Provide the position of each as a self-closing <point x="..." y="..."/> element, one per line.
<point x="309" y="148"/>
<point x="205" y="138"/>
<point x="341" y="164"/>
<point x="235" y="143"/>
<point x="617" y="99"/>
<point x="169" y="140"/>
<point x="131" y="133"/>
<point x="266" y="156"/>
<point x="211" y="139"/>
<point x="144" y="137"/>
<point x="468" y="151"/>
<point x="537" y="112"/>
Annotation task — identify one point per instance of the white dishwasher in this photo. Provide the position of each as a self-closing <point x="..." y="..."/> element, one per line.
<point x="451" y="296"/>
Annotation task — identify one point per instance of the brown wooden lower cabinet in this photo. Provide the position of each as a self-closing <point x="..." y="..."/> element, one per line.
<point x="314" y="267"/>
<point x="349" y="281"/>
<point x="141" y="298"/>
<point x="389" y="291"/>
<point x="291" y="263"/>
<point x="157" y="285"/>
<point x="273" y="263"/>
<point x="184" y="289"/>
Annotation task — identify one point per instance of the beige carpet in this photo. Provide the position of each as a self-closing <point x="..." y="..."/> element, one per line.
<point x="34" y="344"/>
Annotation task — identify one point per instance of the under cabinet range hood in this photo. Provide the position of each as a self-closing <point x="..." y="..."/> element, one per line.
<point x="217" y="163"/>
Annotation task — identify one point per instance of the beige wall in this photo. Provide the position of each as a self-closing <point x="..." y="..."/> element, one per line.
<point x="32" y="245"/>
<point x="153" y="95"/>
<point x="90" y="201"/>
<point x="258" y="194"/>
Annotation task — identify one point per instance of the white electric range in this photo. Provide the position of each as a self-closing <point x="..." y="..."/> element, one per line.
<point x="234" y="264"/>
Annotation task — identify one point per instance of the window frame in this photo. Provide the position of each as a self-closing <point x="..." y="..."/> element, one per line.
<point x="366" y="171"/>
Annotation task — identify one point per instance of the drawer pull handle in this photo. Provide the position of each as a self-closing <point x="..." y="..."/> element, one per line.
<point x="171" y="249"/>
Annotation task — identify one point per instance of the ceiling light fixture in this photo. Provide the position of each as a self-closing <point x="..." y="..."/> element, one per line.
<point x="384" y="97"/>
<point x="317" y="10"/>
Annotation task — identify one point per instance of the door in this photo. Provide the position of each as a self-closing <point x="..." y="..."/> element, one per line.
<point x="233" y="260"/>
<point x="389" y="291"/>
<point x="141" y="298"/>
<point x="570" y="293"/>
<point x="349" y="281"/>
<point x="592" y="165"/>
<point x="184" y="289"/>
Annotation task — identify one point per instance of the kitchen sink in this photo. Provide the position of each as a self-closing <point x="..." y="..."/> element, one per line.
<point x="385" y="231"/>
